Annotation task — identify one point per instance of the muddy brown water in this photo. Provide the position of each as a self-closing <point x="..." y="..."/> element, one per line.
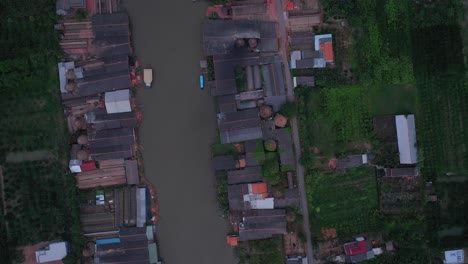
<point x="178" y="128"/>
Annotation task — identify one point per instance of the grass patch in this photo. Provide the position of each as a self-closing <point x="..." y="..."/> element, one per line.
<point x="287" y="167"/>
<point x="344" y="201"/>
<point x="262" y="251"/>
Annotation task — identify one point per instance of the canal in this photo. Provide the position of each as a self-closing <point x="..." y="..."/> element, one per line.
<point x="178" y="128"/>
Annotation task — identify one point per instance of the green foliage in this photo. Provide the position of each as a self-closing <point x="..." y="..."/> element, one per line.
<point x="241" y="78"/>
<point x="263" y="251"/>
<point x="210" y="68"/>
<point x="270" y="145"/>
<point x="81" y="14"/>
<point x="289" y="109"/>
<point x="344" y="201"/>
<point x="271" y="171"/>
<point x="222" y="193"/>
<point x="223" y="149"/>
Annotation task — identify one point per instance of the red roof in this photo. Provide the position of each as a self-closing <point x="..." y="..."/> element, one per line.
<point x="260" y="188"/>
<point x="356" y="248"/>
<point x="232" y="240"/>
<point x="327" y="49"/>
<point x="88" y="165"/>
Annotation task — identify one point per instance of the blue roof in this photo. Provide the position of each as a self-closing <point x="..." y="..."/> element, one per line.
<point x="107" y="241"/>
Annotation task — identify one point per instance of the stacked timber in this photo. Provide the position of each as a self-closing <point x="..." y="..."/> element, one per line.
<point x="101" y="177"/>
<point x="112" y="163"/>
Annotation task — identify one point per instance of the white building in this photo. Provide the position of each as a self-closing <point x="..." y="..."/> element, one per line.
<point x="118" y="101"/>
<point x="52" y="252"/>
<point x="454" y="256"/>
<point x="406" y="134"/>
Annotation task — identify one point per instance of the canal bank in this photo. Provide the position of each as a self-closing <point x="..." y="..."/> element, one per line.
<point x="178" y="129"/>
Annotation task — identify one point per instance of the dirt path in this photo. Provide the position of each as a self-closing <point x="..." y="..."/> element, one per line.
<point x="178" y="128"/>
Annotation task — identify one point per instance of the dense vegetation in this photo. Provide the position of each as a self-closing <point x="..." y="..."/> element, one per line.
<point x="406" y="57"/>
<point x="40" y="196"/>
<point x="262" y="251"/>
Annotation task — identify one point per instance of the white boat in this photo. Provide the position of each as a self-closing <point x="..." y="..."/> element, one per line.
<point x="148" y="76"/>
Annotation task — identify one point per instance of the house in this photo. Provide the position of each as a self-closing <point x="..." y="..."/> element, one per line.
<point x="289" y="197"/>
<point x="296" y="260"/>
<point x="76" y="166"/>
<point x="254" y="153"/>
<point x="249" y="196"/>
<point x="68" y="72"/>
<point x="239" y="126"/>
<point x="353" y="161"/>
<point x="402" y="172"/>
<point x="286" y="148"/>
<point x="406" y="134"/>
<point x="99" y="119"/>
<point x="224" y="163"/>
<point x="454" y="256"/>
<point x="358" y="250"/>
<point x="113" y="208"/>
<point x="226" y="103"/>
<point x="131" y="246"/>
<point x="112" y="34"/>
<point x="324" y="43"/>
<point x="246" y="175"/>
<point x="238" y="36"/>
<point x="262" y="224"/>
<point x="301" y="40"/>
<point x="118" y="101"/>
<point x="66" y="7"/>
<point x="317" y="58"/>
<point x="111" y="144"/>
<point x="52" y="252"/>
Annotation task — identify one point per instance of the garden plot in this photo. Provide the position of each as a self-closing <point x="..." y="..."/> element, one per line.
<point x="401" y="195"/>
<point x="343" y="201"/>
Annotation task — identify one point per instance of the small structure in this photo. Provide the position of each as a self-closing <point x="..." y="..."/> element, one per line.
<point x="224" y="163"/>
<point x="454" y="256"/>
<point x="358" y="250"/>
<point x="324" y="44"/>
<point x="304" y="81"/>
<point x="262" y="224"/>
<point x="406" y="134"/>
<point x="141" y="207"/>
<point x="296" y="260"/>
<point x="52" y="252"/>
<point x="353" y="161"/>
<point x="64" y="70"/>
<point x="233" y="241"/>
<point x="304" y="22"/>
<point x="118" y="101"/>
<point x="66" y="7"/>
<point x="249" y="196"/>
<point x="402" y="172"/>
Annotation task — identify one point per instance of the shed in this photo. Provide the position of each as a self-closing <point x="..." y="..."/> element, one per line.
<point x="247" y="175"/>
<point x="52" y="252"/>
<point x="406" y="134"/>
<point x="118" y="101"/>
<point x="141" y="207"/>
<point x="131" y="171"/>
<point x="262" y="224"/>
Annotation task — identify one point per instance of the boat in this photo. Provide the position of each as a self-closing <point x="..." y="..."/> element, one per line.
<point x="202" y="81"/>
<point x="148" y="76"/>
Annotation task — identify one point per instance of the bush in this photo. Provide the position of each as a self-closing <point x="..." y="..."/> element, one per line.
<point x="271" y="171"/>
<point x="81" y="14"/>
<point x="289" y="109"/>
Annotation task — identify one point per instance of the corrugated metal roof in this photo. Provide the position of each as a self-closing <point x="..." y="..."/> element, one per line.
<point x="406" y="133"/>
<point x="118" y="101"/>
<point x="141" y="207"/>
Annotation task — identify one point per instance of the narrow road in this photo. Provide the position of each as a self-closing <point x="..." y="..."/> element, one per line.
<point x="295" y="131"/>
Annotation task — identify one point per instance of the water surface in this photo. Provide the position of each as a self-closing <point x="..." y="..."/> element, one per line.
<point x="178" y="128"/>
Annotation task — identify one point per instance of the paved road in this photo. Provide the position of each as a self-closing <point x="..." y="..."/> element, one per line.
<point x="295" y="131"/>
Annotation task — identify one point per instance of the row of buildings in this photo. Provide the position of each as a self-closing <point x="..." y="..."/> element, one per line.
<point x="97" y="78"/>
<point x="248" y="86"/>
